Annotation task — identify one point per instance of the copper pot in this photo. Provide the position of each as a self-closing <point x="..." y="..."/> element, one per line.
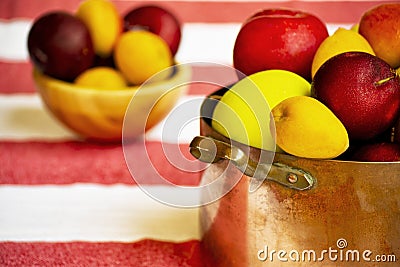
<point x="347" y="215"/>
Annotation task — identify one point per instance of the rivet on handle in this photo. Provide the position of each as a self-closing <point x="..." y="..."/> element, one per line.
<point x="210" y="150"/>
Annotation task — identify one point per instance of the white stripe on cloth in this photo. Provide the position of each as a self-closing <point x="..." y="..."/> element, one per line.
<point x="90" y="212"/>
<point x="24" y="117"/>
<point x="210" y="42"/>
<point x="14" y="36"/>
<point x="200" y="41"/>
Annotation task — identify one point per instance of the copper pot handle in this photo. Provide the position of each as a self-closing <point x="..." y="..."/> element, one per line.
<point x="210" y="150"/>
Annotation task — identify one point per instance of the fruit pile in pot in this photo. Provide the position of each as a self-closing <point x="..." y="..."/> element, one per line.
<point x="97" y="47"/>
<point x="331" y="96"/>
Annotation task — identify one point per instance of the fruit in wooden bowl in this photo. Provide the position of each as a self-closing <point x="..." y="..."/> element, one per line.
<point x="98" y="113"/>
<point x="88" y="70"/>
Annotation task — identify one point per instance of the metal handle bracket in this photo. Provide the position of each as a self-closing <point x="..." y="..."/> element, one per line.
<point x="210" y="150"/>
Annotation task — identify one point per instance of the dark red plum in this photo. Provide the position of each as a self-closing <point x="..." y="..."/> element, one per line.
<point x="156" y="20"/>
<point x="378" y="152"/>
<point x="60" y="45"/>
<point x="362" y="90"/>
<point x="396" y="132"/>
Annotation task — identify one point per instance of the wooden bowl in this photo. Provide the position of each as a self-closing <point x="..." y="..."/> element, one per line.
<point x="99" y="114"/>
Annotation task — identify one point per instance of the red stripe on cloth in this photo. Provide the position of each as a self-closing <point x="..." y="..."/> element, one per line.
<point x="139" y="254"/>
<point x="16" y="77"/>
<point x="37" y="163"/>
<point x="202" y="11"/>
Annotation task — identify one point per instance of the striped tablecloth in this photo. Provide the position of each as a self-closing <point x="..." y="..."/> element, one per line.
<point x="66" y="202"/>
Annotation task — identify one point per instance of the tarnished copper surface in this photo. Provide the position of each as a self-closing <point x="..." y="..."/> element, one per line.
<point x="352" y="201"/>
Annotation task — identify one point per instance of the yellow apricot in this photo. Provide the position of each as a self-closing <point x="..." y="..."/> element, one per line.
<point x="243" y="113"/>
<point x="102" y="78"/>
<point x="342" y="40"/>
<point x="306" y="128"/>
<point x="104" y="24"/>
<point x="141" y="54"/>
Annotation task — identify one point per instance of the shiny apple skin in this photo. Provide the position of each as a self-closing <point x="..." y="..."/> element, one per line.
<point x="396" y="133"/>
<point x="378" y="152"/>
<point x="59" y="45"/>
<point x="278" y="39"/>
<point x="156" y="20"/>
<point x="348" y="85"/>
<point x="381" y="27"/>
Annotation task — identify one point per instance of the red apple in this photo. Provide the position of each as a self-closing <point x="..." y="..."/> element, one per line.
<point x="156" y="20"/>
<point x="386" y="136"/>
<point x="362" y="90"/>
<point x="396" y="133"/>
<point x="60" y="45"/>
<point x="381" y="27"/>
<point x="378" y="152"/>
<point x="278" y="39"/>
